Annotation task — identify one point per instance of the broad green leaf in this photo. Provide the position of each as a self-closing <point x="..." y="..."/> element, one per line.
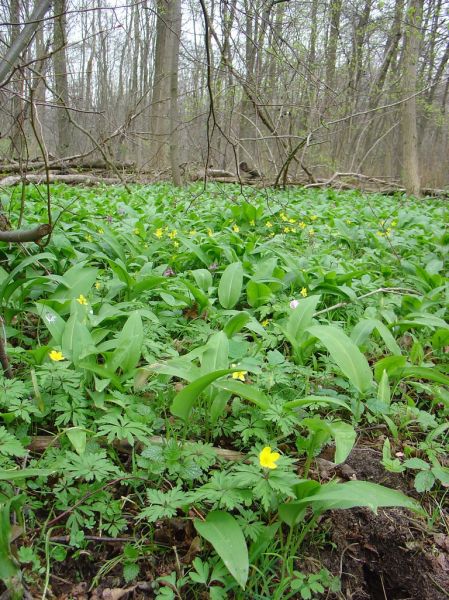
<point x="230" y="286"/>
<point x="292" y="513"/>
<point x="198" y="294"/>
<point x="257" y="293"/>
<point x="77" y="438"/>
<point x="357" y="493"/>
<point x="18" y="474"/>
<point x="78" y="280"/>
<point x="244" y="390"/>
<point x="427" y="373"/>
<point x="76" y="341"/>
<point x="203" y="279"/>
<point x="301" y="318"/>
<point x="183" y="402"/>
<point x="364" y="328"/>
<point x="224" y="533"/>
<point x="424" y="481"/>
<point x="214" y="357"/>
<point x="236" y="323"/>
<point x="52" y="321"/>
<point x="129" y="345"/>
<point x="148" y="283"/>
<point x="346" y="355"/>
<point x="196" y="250"/>
<point x="344" y="435"/>
<point x="9" y="570"/>
<point x="390" y="364"/>
<point x="383" y="391"/>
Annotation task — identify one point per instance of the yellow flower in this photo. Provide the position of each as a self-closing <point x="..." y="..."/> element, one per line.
<point x="311" y="231"/>
<point x="97" y="285"/>
<point x="393" y="223"/>
<point x="286" y="229"/>
<point x="252" y="222"/>
<point x="268" y="459"/>
<point x="235" y="228"/>
<point x="239" y="375"/>
<point x="283" y="217"/>
<point x="292" y="220"/>
<point x="136" y="231"/>
<point x="89" y="237"/>
<point x="176" y="244"/>
<point x="348" y="221"/>
<point x="82" y="300"/>
<point x="313" y="217"/>
<point x="303" y="292"/>
<point x="380" y="233"/>
<point x="388" y="231"/>
<point x="302" y="225"/>
<point x="56" y="355"/>
<point x="269" y="224"/>
<point x="100" y="230"/>
<point x="265" y="322"/>
<point x="192" y="232"/>
<point x="173" y="234"/>
<point x="210" y="233"/>
<point x="159" y="232"/>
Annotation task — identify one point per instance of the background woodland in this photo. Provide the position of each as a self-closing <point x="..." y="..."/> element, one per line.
<point x="296" y="89"/>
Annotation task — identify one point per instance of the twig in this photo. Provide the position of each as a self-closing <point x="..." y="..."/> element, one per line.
<point x="64" y="539"/>
<point x="385" y="290"/>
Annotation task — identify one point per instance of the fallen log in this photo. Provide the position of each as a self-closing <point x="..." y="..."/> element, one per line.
<point x="71" y="179"/>
<point x="40" y="443"/>
<point x="60" y="165"/>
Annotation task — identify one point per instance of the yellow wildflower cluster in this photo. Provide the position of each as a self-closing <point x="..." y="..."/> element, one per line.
<point x="82" y="300"/>
<point x="159" y="233"/>
<point x="173" y="233"/>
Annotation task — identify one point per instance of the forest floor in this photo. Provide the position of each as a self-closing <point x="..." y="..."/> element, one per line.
<point x="225" y="393"/>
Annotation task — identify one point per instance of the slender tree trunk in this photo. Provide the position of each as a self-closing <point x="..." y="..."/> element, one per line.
<point x="160" y="95"/>
<point x="174" y="39"/>
<point x="331" y="51"/>
<point x="17" y="134"/>
<point x="61" y="78"/>
<point x="409" y="129"/>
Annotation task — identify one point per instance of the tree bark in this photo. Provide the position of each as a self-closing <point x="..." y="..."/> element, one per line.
<point x="61" y="79"/>
<point x="409" y="129"/>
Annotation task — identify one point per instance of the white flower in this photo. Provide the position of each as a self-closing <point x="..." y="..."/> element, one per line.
<point x="50" y="318"/>
<point x="294" y="304"/>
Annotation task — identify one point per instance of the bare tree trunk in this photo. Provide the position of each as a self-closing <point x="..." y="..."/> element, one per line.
<point x="159" y="100"/>
<point x="61" y="79"/>
<point x="409" y="129"/>
<point x="331" y="51"/>
<point x="17" y="134"/>
<point x="174" y="38"/>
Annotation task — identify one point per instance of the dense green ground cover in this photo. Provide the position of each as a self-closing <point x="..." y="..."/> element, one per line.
<point x="158" y="326"/>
